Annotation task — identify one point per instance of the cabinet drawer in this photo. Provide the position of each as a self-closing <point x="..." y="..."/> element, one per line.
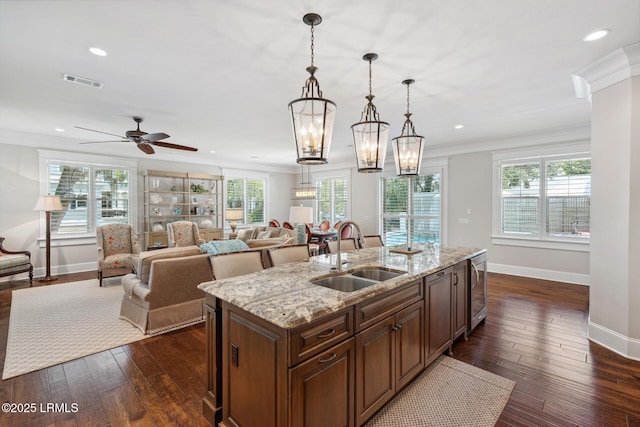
<point x="378" y="308"/>
<point x="317" y="336"/>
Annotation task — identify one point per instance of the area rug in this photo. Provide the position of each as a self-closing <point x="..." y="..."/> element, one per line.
<point x="53" y="324"/>
<point x="447" y="393"/>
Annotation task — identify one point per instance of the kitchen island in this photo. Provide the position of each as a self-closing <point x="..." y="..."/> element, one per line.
<point x="283" y="351"/>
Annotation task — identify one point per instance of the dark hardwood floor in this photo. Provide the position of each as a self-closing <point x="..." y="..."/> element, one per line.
<point x="534" y="334"/>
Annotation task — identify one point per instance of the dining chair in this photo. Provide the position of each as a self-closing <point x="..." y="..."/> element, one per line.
<point x="274" y="223"/>
<point x="324" y="225"/>
<point x="347" y="232"/>
<point x="337" y="225"/>
<point x="348" y="244"/>
<point x="290" y="253"/>
<point x="233" y="264"/>
<point x="316" y="245"/>
<point x="374" y="241"/>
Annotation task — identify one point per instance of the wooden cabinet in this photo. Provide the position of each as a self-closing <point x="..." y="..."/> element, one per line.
<point x="390" y="353"/>
<point x="322" y="388"/>
<point x="438" y="302"/>
<point x="176" y="196"/>
<point x="460" y="300"/>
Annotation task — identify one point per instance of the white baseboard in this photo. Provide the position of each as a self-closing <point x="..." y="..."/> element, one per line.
<point x="538" y="273"/>
<point x="55" y="270"/>
<point x="64" y="269"/>
<point x="614" y="341"/>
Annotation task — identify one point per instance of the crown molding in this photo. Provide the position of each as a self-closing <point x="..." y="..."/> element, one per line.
<point x="618" y="66"/>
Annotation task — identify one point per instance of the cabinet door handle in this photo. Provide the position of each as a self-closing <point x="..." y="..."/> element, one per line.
<point x="333" y="356"/>
<point x="328" y="334"/>
<point x="475" y="269"/>
<point x="396" y="328"/>
<point x="456" y="277"/>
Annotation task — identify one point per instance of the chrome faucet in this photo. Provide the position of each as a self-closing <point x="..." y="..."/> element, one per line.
<point x="358" y="241"/>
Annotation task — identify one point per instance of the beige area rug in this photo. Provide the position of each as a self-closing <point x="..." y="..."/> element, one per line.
<point x="57" y="323"/>
<point x="447" y="393"/>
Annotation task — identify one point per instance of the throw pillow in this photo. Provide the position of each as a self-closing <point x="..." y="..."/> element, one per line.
<point x="264" y="234"/>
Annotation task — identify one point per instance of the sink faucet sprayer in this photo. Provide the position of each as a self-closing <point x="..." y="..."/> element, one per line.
<point x="358" y="240"/>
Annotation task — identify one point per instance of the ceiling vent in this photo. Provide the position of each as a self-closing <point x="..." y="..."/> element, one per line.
<point x="82" y="81"/>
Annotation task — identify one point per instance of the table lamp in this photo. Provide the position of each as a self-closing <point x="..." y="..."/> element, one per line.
<point x="47" y="204"/>
<point x="300" y="216"/>
<point x="232" y="216"/>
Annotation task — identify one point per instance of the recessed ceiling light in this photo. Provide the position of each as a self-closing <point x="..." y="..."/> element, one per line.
<point x="97" y="51"/>
<point x="254" y="157"/>
<point x="59" y="130"/>
<point x="458" y="126"/>
<point x="212" y="151"/>
<point x="596" y="35"/>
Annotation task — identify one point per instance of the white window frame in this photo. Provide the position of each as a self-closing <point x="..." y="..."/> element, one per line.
<point x="47" y="157"/>
<point x="335" y="174"/>
<point x="431" y="167"/>
<point x="541" y="155"/>
<point x="233" y="174"/>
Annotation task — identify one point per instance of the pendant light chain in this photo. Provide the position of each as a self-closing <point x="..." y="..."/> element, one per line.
<point x="312" y="45"/>
<point x="408" y="99"/>
<point x="370" y="91"/>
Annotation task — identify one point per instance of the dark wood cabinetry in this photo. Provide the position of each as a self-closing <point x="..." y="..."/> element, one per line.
<point x="460" y="279"/>
<point x="322" y="388"/>
<point x="339" y="369"/>
<point x="438" y="297"/>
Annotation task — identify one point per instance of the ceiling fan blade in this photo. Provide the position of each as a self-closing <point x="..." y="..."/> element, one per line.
<point x="99" y="131"/>
<point x="146" y="148"/>
<point x="100" y="142"/>
<point x="175" y="146"/>
<point x="154" y="136"/>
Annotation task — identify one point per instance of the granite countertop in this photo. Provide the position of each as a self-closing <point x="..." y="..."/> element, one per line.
<point x="284" y="296"/>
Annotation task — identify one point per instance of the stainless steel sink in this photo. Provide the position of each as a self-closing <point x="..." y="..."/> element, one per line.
<point x="377" y="274"/>
<point x="344" y="283"/>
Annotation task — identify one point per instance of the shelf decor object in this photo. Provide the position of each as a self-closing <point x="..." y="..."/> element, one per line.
<point x="370" y="134"/>
<point x="233" y="215"/>
<point x="312" y="116"/>
<point x="407" y="148"/>
<point x="47" y="204"/>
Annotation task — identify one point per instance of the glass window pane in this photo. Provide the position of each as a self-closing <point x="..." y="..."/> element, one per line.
<point x="568" y="190"/>
<point x="521" y="198"/>
<point x="72" y="185"/>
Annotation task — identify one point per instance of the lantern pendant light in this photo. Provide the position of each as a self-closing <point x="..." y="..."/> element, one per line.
<point x="370" y="135"/>
<point x="312" y="116"/>
<point x="407" y="148"/>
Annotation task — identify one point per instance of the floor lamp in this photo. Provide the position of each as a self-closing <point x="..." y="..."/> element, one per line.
<point x="48" y="204"/>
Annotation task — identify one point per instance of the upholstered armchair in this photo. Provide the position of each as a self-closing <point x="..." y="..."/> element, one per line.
<point x="116" y="244"/>
<point x="183" y="233"/>
<point x="14" y="262"/>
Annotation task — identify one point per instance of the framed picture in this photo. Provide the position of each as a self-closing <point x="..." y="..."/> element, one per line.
<point x="194" y="199"/>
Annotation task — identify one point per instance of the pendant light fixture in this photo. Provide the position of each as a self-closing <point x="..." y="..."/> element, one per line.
<point x="312" y="116"/>
<point x="407" y="148"/>
<point x="370" y="135"/>
<point x="305" y="191"/>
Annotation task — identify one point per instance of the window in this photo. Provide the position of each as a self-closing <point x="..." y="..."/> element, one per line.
<point x="425" y="213"/>
<point x="92" y="193"/>
<point x="333" y="199"/>
<point x="249" y="195"/>
<point x="545" y="198"/>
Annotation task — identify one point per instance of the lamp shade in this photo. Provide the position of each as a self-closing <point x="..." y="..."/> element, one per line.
<point x="300" y="215"/>
<point x="234" y="214"/>
<point x="48" y="203"/>
<point x="407" y="150"/>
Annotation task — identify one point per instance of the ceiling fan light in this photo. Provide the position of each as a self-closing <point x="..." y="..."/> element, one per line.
<point x="312" y="116"/>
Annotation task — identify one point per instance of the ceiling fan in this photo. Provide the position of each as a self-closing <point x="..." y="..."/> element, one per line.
<point x="144" y="141"/>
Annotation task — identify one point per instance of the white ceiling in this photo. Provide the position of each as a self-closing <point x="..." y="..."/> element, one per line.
<point x="218" y="75"/>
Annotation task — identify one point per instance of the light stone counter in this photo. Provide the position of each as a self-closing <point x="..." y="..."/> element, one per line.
<point x="285" y="297"/>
